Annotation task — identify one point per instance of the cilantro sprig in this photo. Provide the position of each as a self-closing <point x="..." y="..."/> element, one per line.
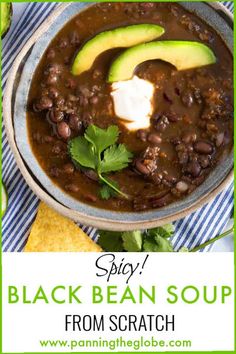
<point x="153" y="240"/>
<point x="98" y="150"/>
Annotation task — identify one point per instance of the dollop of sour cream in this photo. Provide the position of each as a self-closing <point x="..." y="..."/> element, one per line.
<point x="133" y="102"/>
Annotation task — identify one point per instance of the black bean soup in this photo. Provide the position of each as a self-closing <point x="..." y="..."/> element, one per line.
<point x="191" y="128"/>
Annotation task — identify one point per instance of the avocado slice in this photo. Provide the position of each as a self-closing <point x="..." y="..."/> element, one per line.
<point x="182" y="54"/>
<point x="6" y="15"/>
<point x="119" y="37"/>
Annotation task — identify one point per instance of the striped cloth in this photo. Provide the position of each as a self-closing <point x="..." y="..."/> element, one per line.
<point x="190" y="231"/>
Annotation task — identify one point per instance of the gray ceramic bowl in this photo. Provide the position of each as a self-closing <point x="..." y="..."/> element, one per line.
<point x="83" y="212"/>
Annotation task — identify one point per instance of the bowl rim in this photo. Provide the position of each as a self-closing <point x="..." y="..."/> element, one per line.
<point x="84" y="218"/>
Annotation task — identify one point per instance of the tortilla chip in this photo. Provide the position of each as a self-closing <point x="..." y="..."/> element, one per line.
<point x="52" y="232"/>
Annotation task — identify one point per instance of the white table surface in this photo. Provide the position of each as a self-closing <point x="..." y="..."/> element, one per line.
<point x="224" y="245"/>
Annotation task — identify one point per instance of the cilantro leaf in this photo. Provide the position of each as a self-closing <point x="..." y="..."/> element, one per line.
<point x="163" y="244"/>
<point x="183" y="249"/>
<point x="110" y="241"/>
<point x="137" y="241"/>
<point x="157" y="239"/>
<point x="82" y="152"/>
<point x="115" y="158"/>
<point x="101" y="138"/>
<point x="97" y="150"/>
<point x="107" y="192"/>
<point x="157" y="244"/>
<point x="132" y="241"/>
<point x="150" y="246"/>
<point x="165" y="231"/>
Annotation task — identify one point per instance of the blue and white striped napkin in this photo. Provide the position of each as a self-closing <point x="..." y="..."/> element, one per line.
<point x="192" y="230"/>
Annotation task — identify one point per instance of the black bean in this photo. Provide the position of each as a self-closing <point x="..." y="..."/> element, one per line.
<point x="56" y="149"/>
<point x="202" y="124"/>
<point x="212" y="128"/>
<point x="90" y="197"/>
<point x="206" y="36"/>
<point x="70" y="83"/>
<point x="175" y="140"/>
<point x="74" y="122"/>
<point x="170" y="179"/>
<point x="97" y="74"/>
<point x="202" y="147"/>
<point x="83" y="101"/>
<point x="193" y="168"/>
<point x="51" y="53"/>
<point x="44" y="103"/>
<point x="86" y="92"/>
<point x="183" y="157"/>
<point x="56" y="116"/>
<point x="54" y="171"/>
<point x="142" y="135"/>
<point x="208" y="114"/>
<point x="91" y="175"/>
<point x="180" y="147"/>
<point x="69" y="168"/>
<point x="146" y="5"/>
<point x="37" y="137"/>
<point x="140" y="167"/>
<point x="132" y="12"/>
<point x="161" y="122"/>
<point x="73" y="98"/>
<point x="53" y="92"/>
<point x="187" y="98"/>
<point x="60" y="101"/>
<point x="197" y="95"/>
<point x="48" y="139"/>
<point x="197" y="181"/>
<point x="189" y="148"/>
<point x="53" y="68"/>
<point x="67" y="59"/>
<point x="87" y="119"/>
<point x="189" y="138"/>
<point x="63" y="130"/>
<point x="154" y="138"/>
<point x="72" y="187"/>
<point x="172" y="117"/>
<point x="69" y="110"/>
<point x="157" y="178"/>
<point x="44" y="91"/>
<point x="93" y="100"/>
<point x="175" y="11"/>
<point x="52" y="79"/>
<point x="140" y="205"/>
<point x="187" y="119"/>
<point x="56" y="68"/>
<point x="63" y="43"/>
<point x="204" y="161"/>
<point x="160" y="202"/>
